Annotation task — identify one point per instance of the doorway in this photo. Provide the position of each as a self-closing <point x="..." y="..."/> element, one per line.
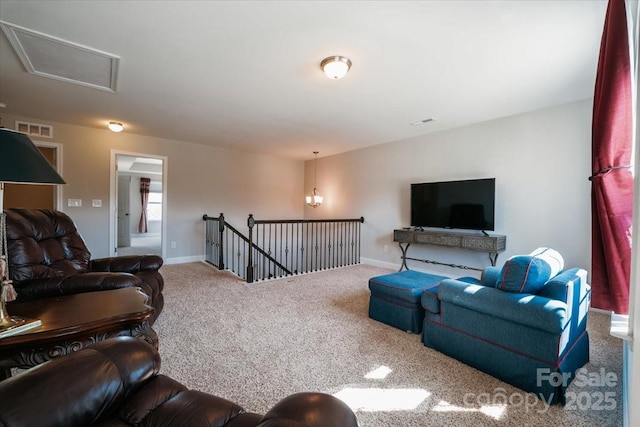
<point x="37" y="196"/>
<point x="138" y="204"/>
<point x="124" y="211"/>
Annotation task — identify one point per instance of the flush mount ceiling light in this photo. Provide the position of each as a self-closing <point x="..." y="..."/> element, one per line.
<point x="336" y="67"/>
<point x="115" y="127"/>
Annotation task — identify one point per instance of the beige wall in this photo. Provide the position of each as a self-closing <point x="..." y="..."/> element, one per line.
<point x="200" y="179"/>
<point x="540" y="160"/>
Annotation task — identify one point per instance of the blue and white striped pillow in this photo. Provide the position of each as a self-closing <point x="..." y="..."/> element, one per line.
<point x="529" y="273"/>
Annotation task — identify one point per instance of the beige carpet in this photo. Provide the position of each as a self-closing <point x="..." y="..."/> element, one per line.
<point x="142" y="245"/>
<point x="255" y="344"/>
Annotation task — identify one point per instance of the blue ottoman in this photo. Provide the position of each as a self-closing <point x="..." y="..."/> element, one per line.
<point x="395" y="298"/>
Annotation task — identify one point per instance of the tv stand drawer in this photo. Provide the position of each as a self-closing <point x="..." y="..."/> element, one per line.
<point x="404" y="236"/>
<point x="439" y="239"/>
<point x="485" y="243"/>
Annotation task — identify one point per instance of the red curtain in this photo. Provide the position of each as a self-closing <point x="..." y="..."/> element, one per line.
<point x="145" y="184"/>
<point x="612" y="179"/>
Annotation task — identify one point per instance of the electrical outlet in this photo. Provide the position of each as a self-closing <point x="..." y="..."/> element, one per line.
<point x="74" y="203"/>
<point x="386" y="248"/>
<point x="173" y="245"/>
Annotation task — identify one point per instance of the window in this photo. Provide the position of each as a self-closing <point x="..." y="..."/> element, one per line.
<point x="154" y="207"/>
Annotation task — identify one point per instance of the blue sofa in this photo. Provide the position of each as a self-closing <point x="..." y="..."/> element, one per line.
<point x="524" y="323"/>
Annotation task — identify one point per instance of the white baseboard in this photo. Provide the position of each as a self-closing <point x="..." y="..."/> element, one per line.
<point x="396" y="267"/>
<point x="378" y="263"/>
<point x="183" y="259"/>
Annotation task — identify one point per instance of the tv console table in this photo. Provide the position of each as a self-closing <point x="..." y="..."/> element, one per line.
<point x="492" y="244"/>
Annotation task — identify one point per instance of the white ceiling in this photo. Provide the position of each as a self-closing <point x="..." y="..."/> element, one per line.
<point x="246" y="74"/>
<point x="139" y="165"/>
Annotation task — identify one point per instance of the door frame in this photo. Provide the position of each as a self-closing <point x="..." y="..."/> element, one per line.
<point x="113" y="194"/>
<point x="57" y="189"/>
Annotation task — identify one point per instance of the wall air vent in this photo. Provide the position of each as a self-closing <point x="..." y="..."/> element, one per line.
<point x="35" y="129"/>
<point x="48" y="56"/>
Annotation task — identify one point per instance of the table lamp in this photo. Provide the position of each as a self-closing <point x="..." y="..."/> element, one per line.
<point x="20" y="163"/>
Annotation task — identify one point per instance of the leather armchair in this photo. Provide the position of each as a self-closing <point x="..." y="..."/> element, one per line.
<point x="48" y="258"/>
<point x="116" y="383"/>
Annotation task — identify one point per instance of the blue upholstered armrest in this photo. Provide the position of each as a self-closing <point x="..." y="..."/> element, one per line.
<point x="530" y="310"/>
<point x="430" y="301"/>
<point x="571" y="287"/>
<point x="490" y="276"/>
<point x="429" y="298"/>
<point x="565" y="284"/>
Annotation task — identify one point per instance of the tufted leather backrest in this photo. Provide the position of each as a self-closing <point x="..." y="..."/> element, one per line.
<point x="42" y="244"/>
<point x="80" y="388"/>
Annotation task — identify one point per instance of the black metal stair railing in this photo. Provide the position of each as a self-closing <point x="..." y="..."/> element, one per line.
<point x="282" y="247"/>
<point x="227" y="248"/>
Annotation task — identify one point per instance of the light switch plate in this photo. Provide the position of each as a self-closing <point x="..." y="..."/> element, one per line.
<point x="96" y="203"/>
<point x="74" y="203"/>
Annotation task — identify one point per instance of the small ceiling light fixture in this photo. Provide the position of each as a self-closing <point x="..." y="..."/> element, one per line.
<point x="421" y="122"/>
<point x="115" y="127"/>
<point x="336" y="67"/>
<point x="314" y="200"/>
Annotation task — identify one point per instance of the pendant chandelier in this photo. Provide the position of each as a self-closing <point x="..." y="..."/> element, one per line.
<point x="315" y="199"/>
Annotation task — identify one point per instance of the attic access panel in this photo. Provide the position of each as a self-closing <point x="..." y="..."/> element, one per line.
<point x="47" y="56"/>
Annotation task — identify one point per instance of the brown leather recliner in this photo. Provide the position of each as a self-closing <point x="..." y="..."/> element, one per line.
<point x="116" y="383"/>
<point x="48" y="257"/>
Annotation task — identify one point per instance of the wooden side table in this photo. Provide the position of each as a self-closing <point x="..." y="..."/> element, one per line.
<point x="72" y="322"/>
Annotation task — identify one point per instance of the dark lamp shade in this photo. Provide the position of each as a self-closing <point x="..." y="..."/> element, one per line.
<point x="22" y="162"/>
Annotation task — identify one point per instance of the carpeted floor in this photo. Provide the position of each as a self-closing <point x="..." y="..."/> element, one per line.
<point x="142" y="244"/>
<point x="255" y="344"/>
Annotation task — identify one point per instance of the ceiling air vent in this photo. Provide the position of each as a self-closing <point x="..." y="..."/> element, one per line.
<point x="48" y="56"/>
<point x="34" y="129"/>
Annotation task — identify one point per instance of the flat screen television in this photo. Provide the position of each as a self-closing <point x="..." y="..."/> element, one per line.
<point x="467" y="204"/>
